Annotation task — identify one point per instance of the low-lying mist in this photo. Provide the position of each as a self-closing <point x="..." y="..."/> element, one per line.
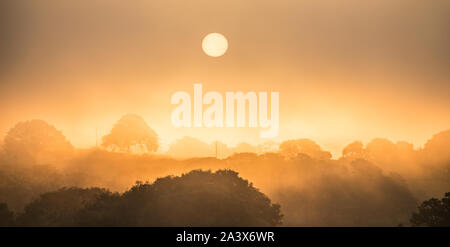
<point x="377" y="184"/>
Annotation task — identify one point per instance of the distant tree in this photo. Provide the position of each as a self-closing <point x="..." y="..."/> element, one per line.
<point x="59" y="208"/>
<point x="36" y="141"/>
<point x="381" y="150"/>
<point x="354" y="150"/>
<point x="433" y="212"/>
<point x="292" y="148"/>
<point x="269" y="146"/>
<point x="130" y="131"/>
<point x="6" y="216"/>
<point x="436" y="149"/>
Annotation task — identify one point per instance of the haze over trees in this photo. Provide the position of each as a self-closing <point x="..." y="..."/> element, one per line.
<point x="190" y="147"/>
<point x="292" y="148"/>
<point x="131" y="131"/>
<point x="354" y="150"/>
<point x="376" y="184"/>
<point x="36" y="142"/>
<point x="198" y="198"/>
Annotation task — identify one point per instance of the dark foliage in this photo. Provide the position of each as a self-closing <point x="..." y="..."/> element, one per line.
<point x="58" y="208"/>
<point x="433" y="212"/>
<point x="6" y="216"/>
<point x="198" y="198"/>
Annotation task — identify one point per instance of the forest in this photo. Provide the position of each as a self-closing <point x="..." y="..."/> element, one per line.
<point x="46" y="181"/>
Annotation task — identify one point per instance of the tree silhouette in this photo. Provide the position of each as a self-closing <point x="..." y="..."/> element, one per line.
<point x="59" y="208"/>
<point x="131" y="130"/>
<point x="292" y="148"/>
<point x="36" y="141"/>
<point x="198" y="198"/>
<point x="6" y="216"/>
<point x="354" y="150"/>
<point x="436" y="149"/>
<point x="433" y="212"/>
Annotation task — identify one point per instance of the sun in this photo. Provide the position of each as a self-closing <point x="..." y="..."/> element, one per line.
<point x="214" y="44"/>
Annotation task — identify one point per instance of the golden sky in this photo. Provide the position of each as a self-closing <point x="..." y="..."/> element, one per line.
<point x="345" y="70"/>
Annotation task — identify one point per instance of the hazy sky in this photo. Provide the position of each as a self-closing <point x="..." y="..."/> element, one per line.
<point x="345" y="70"/>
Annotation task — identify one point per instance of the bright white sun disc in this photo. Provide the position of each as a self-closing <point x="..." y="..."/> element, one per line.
<point x="215" y="44"/>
